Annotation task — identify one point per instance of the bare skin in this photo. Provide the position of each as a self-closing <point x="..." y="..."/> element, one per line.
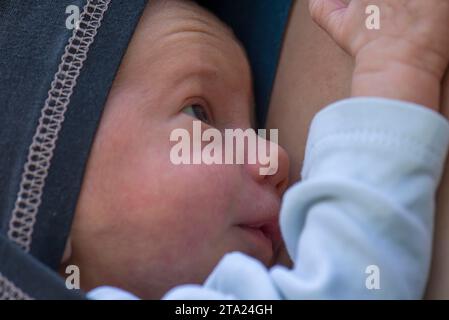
<point x="313" y="72"/>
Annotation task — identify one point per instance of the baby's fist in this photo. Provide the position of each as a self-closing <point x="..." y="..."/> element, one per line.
<point x="414" y="32"/>
<point x="404" y="57"/>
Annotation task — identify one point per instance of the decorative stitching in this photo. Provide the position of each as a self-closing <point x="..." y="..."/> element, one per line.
<point x="9" y="291"/>
<point x="44" y="141"/>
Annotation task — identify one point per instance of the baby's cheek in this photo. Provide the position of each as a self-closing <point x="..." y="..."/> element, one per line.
<point x="184" y="215"/>
<point x="183" y="206"/>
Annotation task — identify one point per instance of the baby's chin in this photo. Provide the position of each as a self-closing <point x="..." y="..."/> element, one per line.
<point x="190" y="267"/>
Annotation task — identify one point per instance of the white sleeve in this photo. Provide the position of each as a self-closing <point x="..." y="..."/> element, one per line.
<point x="360" y="223"/>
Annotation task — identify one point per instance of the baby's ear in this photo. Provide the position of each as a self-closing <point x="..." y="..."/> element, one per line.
<point x="67" y="251"/>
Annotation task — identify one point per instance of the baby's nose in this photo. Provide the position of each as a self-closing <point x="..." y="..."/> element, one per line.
<point x="273" y="171"/>
<point x="280" y="179"/>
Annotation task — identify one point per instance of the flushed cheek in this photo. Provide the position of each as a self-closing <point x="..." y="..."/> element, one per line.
<point x="185" y="195"/>
<point x="212" y="188"/>
<point x="187" y="200"/>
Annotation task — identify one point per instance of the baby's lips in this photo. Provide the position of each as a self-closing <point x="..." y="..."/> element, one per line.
<point x="270" y="229"/>
<point x="273" y="232"/>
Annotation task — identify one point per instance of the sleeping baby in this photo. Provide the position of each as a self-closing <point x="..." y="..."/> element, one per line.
<point x="147" y="225"/>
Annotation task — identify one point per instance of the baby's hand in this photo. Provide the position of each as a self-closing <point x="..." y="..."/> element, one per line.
<point x="405" y="58"/>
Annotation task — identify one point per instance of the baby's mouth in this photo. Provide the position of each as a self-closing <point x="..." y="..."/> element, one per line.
<point x="267" y="231"/>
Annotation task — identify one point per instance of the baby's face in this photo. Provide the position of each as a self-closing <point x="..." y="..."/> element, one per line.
<point x="143" y="223"/>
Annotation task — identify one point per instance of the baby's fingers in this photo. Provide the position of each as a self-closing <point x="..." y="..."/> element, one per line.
<point x="328" y="14"/>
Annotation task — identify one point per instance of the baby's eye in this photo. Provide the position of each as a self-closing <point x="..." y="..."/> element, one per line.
<point x="197" y="111"/>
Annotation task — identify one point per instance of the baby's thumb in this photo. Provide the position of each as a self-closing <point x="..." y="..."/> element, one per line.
<point x="328" y="14"/>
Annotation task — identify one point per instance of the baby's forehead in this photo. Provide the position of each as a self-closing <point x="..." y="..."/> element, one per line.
<point x="166" y="17"/>
<point x="179" y="33"/>
<point x="179" y="48"/>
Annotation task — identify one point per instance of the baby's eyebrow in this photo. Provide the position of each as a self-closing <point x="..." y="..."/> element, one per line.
<point x="192" y="72"/>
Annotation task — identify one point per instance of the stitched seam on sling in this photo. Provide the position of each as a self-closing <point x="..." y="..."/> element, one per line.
<point x="9" y="291"/>
<point x="44" y="140"/>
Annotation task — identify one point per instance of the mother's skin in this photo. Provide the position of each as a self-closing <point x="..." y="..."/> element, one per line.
<point x="313" y="72"/>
